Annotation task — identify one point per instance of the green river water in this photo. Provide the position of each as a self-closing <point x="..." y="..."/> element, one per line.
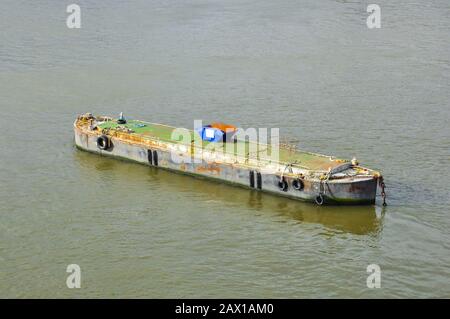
<point x="311" y="68"/>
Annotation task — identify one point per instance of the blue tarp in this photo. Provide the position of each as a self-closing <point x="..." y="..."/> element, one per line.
<point x="210" y="134"/>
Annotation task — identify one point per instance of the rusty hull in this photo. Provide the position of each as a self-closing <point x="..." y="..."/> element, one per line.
<point x="335" y="189"/>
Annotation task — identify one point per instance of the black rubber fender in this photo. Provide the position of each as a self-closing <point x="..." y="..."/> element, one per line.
<point x="319" y="200"/>
<point x="298" y="184"/>
<point x="283" y="185"/>
<point x="152" y="157"/>
<point x="103" y="142"/>
<point x="155" y="158"/>
<point x="252" y="179"/>
<point x="258" y="180"/>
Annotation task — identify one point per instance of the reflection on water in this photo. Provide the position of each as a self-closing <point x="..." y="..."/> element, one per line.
<point x="360" y="220"/>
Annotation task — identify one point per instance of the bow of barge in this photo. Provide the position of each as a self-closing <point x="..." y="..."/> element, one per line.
<point x="296" y="174"/>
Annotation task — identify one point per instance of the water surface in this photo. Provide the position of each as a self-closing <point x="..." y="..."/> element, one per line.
<point x="311" y="68"/>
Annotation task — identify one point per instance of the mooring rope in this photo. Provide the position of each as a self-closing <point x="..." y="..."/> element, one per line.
<point x="383" y="192"/>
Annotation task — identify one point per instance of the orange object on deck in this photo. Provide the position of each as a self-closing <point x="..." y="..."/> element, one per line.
<point x="224" y="127"/>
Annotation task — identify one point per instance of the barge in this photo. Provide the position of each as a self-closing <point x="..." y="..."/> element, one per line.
<point x="212" y="151"/>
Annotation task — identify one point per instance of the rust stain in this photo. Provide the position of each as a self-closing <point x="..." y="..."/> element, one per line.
<point x="356" y="187"/>
<point x="209" y="168"/>
<point x="307" y="185"/>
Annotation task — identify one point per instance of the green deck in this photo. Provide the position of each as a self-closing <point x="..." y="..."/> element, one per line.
<point x="162" y="132"/>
